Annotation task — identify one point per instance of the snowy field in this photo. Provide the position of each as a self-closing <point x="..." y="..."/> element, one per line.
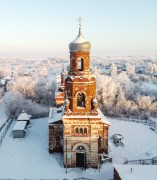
<point x="29" y="158"/>
<point x="140" y="142"/>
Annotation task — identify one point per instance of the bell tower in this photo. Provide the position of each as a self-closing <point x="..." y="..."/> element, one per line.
<point x="85" y="129"/>
<point x="80" y="83"/>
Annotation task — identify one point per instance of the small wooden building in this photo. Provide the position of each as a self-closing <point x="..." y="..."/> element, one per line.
<point x="19" y="129"/>
<point x="24" y="117"/>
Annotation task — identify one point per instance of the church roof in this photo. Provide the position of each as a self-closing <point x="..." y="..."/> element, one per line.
<point x="103" y="118"/>
<point x="80" y="43"/>
<point x="55" y="114"/>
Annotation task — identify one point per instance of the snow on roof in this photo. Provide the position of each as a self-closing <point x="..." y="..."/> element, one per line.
<point x="81" y="116"/>
<point x="23" y="116"/>
<point x="3" y="81"/>
<point x="53" y="110"/>
<point x="103" y="118"/>
<point x="100" y="115"/>
<point x="54" y="116"/>
<point x="138" y="172"/>
<point x="79" y="39"/>
<point x="20" y="125"/>
<point x="59" y="94"/>
<point x="7" y="78"/>
<point x="73" y="77"/>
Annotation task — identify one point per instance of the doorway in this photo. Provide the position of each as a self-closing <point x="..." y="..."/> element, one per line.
<point x="81" y="159"/>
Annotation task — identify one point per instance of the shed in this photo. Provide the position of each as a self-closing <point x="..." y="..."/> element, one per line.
<point x="19" y="129"/>
<point x="24" y="117"/>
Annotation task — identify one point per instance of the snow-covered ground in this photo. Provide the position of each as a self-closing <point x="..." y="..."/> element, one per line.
<point x="29" y="157"/>
<point x="140" y="142"/>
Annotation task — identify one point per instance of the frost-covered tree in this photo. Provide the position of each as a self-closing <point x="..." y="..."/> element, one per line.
<point x="25" y="85"/>
<point x="20" y="70"/>
<point x="130" y="70"/>
<point x="146" y="103"/>
<point x="7" y="70"/>
<point x="43" y="92"/>
<point x="14" y="102"/>
<point x="113" y="69"/>
<point x="44" y="72"/>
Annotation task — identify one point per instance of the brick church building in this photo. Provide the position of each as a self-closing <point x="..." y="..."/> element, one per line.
<point x="76" y="126"/>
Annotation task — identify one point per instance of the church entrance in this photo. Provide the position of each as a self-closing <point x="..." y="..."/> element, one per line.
<point x="80" y="160"/>
<point x="80" y="156"/>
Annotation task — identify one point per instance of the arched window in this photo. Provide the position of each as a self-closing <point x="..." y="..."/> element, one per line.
<point x="76" y="130"/>
<point x="81" y="148"/>
<point x="81" y="130"/>
<point x="80" y="100"/>
<point x="85" y="130"/>
<point x="80" y="64"/>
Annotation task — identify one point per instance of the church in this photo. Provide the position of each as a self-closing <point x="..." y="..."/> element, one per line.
<point x="77" y="127"/>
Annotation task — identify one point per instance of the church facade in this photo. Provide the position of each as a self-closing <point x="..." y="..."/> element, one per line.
<point x="78" y="128"/>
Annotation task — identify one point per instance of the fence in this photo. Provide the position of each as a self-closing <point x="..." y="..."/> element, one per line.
<point x="40" y="115"/>
<point x="152" y="161"/>
<point x="5" y="129"/>
<point x="152" y="124"/>
<point x="4" y="124"/>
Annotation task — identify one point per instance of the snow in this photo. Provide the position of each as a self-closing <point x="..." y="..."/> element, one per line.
<point x="29" y="158"/>
<point x="79" y="39"/>
<point x="55" y="117"/>
<point x="32" y="152"/>
<point x="100" y="115"/>
<point x="24" y="116"/>
<point x="148" y="87"/>
<point x="103" y="118"/>
<point x="138" y="172"/>
<point x="20" y="125"/>
<point x="139" y="141"/>
<point x="3" y="81"/>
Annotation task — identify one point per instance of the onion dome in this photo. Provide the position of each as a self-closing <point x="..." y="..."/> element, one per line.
<point x="80" y="43"/>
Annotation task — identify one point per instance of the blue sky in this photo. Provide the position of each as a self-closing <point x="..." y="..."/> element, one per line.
<point x="44" y="28"/>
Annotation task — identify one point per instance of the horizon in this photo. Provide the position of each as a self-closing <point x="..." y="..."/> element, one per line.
<point x="43" y="29"/>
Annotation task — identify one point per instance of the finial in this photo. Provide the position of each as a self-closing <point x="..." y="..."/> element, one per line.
<point x="80" y="19"/>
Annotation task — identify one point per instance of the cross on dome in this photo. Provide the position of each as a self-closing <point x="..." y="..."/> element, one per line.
<point x="80" y="19"/>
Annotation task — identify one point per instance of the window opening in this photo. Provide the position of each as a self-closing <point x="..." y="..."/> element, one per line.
<point x="81" y="130"/>
<point x="80" y="64"/>
<point x="76" y="130"/>
<point x="85" y="130"/>
<point x="80" y="100"/>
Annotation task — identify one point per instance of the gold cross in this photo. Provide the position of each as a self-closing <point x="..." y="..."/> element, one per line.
<point x="80" y="19"/>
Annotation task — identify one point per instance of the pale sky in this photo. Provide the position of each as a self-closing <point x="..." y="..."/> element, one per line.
<point x="44" y="28"/>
